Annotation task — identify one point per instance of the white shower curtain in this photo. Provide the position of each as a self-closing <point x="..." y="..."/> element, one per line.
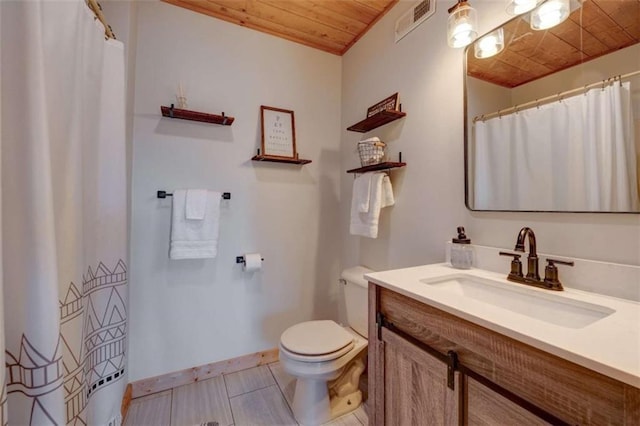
<point x="577" y="154"/>
<point x="63" y="219"/>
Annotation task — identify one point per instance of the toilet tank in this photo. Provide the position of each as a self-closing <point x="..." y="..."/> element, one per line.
<point x="356" y="298"/>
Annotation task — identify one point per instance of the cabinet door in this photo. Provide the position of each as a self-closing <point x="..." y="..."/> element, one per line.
<point x="483" y="406"/>
<point x="415" y="386"/>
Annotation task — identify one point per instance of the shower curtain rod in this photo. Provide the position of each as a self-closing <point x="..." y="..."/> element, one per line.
<point x="557" y="96"/>
<point x="97" y="10"/>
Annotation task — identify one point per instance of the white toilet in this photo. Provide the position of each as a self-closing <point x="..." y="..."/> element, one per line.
<point x="328" y="359"/>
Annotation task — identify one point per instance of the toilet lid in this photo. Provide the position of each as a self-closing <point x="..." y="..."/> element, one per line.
<point x="315" y="338"/>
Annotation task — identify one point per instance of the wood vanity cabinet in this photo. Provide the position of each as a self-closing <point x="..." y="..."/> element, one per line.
<point x="428" y="367"/>
<point x="413" y="375"/>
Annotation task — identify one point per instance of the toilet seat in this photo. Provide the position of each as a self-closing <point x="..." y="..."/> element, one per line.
<point x="316" y="358"/>
<point x="316" y="341"/>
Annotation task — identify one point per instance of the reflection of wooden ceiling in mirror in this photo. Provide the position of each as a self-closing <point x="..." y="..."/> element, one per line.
<point x="329" y="25"/>
<point x="608" y="25"/>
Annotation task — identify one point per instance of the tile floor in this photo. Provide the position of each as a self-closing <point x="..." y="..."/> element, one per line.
<point x="257" y="396"/>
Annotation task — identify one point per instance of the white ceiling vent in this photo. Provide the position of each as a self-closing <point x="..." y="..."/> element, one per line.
<point x="414" y="17"/>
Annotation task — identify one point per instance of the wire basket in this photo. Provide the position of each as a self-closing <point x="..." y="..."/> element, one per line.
<point x="371" y="151"/>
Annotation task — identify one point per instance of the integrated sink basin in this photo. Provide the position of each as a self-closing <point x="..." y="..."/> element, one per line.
<point x="543" y="305"/>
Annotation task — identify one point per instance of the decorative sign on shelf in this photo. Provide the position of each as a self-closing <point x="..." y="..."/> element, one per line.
<point x="390" y="103"/>
<point x="278" y="132"/>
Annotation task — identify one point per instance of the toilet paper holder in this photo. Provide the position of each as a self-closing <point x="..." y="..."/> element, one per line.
<point x="240" y="259"/>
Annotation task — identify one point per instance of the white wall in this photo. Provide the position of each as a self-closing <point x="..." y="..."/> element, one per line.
<point x="487" y="98"/>
<point x="187" y="313"/>
<point x="430" y="190"/>
<point x="623" y="61"/>
<point x="191" y="312"/>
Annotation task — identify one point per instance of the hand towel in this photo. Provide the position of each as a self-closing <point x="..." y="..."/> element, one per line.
<point x="194" y="239"/>
<point x="362" y="191"/>
<point x="196" y="204"/>
<point x="387" y="192"/>
<point x="381" y="195"/>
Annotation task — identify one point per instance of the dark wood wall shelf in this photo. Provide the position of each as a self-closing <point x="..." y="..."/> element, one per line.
<point x="375" y="167"/>
<point x="376" y="120"/>
<point x="185" y="114"/>
<point x="280" y="159"/>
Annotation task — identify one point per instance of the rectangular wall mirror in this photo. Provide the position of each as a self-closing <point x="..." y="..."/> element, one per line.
<point x="552" y="116"/>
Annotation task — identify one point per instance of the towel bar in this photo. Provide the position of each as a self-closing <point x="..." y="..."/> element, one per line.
<point x="165" y="194"/>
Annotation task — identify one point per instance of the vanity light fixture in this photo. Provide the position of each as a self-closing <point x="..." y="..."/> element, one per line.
<point x="489" y="45"/>
<point x="518" y="7"/>
<point x="462" y="25"/>
<point x="549" y="14"/>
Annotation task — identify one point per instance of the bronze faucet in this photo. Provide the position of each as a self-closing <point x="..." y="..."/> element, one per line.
<point x="532" y="258"/>
<point x="550" y="281"/>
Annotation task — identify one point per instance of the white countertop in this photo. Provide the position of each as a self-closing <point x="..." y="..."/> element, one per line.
<point x="610" y="345"/>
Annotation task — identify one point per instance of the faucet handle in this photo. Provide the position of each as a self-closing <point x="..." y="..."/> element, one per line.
<point x="551" y="262"/>
<point x="516" y="264"/>
<point x="551" y="273"/>
<point x="514" y="255"/>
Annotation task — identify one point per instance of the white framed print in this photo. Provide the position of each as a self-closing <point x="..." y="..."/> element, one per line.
<point x="278" y="132"/>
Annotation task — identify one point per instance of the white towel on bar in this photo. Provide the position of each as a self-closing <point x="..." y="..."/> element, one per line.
<point x="194" y="239"/>
<point x="196" y="204"/>
<point x="380" y="196"/>
<point x="362" y="191"/>
<point x="387" y="192"/>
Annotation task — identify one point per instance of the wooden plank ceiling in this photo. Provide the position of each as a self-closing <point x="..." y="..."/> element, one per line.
<point x="607" y="26"/>
<point x="329" y="25"/>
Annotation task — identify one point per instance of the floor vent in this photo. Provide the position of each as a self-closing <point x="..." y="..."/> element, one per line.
<point x="414" y="17"/>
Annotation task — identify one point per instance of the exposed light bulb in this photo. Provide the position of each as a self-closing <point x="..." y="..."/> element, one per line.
<point x="550" y="14"/>
<point x="463" y="35"/>
<point x="518" y="7"/>
<point x="461" y="25"/>
<point x="489" y="45"/>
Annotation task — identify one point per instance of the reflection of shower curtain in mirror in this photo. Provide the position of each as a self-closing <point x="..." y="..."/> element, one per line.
<point x="576" y="154"/>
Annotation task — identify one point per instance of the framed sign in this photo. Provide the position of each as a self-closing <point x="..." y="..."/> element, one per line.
<point x="278" y="132"/>
<point x="390" y="103"/>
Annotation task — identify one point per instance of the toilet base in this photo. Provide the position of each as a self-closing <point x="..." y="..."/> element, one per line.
<point x="317" y="401"/>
